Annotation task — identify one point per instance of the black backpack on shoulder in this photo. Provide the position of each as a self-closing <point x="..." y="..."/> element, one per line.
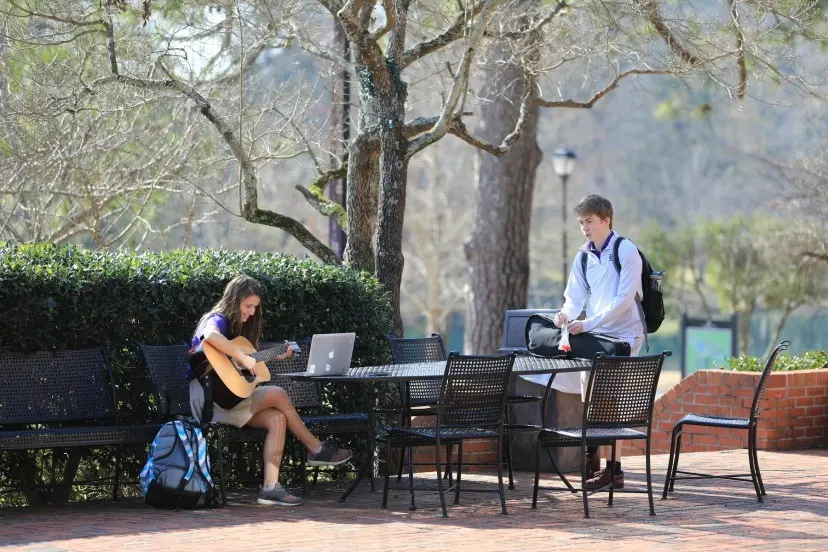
<point x="652" y="304"/>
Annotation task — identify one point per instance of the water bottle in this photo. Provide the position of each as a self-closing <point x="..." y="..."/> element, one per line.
<point x="655" y="280"/>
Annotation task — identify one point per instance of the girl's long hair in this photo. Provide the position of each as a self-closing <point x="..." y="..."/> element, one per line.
<point x="239" y="289"/>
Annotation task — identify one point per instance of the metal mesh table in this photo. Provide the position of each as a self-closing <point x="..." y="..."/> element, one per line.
<point x="524" y="365"/>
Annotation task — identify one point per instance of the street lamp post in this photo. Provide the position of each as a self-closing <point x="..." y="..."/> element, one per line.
<point x="563" y="162"/>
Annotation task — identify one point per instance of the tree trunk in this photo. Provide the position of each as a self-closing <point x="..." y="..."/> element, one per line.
<point x="340" y="134"/>
<point x="381" y="136"/>
<point x="363" y="174"/>
<point x="393" y="168"/>
<point x="786" y="313"/>
<point x="498" y="250"/>
<point x="744" y="328"/>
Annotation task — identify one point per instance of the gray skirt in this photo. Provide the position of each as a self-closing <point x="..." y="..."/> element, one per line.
<point x="237" y="416"/>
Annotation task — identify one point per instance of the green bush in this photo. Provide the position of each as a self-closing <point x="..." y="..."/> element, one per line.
<point x="810" y="360"/>
<point x="64" y="297"/>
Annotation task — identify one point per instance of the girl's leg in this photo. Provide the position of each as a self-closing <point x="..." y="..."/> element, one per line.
<point x="274" y="446"/>
<point x="272" y="397"/>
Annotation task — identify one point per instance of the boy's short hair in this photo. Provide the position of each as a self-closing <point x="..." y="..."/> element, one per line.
<point x="594" y="204"/>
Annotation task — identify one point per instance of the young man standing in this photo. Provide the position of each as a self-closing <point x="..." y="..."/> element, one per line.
<point x="610" y="299"/>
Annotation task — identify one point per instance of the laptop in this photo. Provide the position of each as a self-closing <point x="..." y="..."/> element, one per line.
<point x="330" y="354"/>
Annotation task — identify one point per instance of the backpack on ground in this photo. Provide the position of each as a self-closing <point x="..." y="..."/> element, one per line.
<point x="651" y="305"/>
<point x="177" y="472"/>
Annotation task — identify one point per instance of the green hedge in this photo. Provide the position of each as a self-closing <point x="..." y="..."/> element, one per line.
<point x="56" y="297"/>
<point x="809" y="360"/>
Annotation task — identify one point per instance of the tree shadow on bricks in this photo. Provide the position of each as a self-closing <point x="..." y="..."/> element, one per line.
<point x="717" y="509"/>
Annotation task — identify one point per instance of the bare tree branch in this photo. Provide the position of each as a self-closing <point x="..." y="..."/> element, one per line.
<point x="459" y="129"/>
<point x="740" y="47"/>
<point x="454" y="32"/>
<point x="650" y="10"/>
<point x="390" y="19"/>
<point x="459" y="83"/>
<point x="250" y="209"/>
<point x="601" y="93"/>
<point x="316" y="196"/>
<point x="110" y="40"/>
<point x="537" y="26"/>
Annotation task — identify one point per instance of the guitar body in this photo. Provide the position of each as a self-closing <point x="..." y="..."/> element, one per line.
<point x="231" y="384"/>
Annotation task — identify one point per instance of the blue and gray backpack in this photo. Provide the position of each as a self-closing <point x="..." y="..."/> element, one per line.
<point x="177" y="472"/>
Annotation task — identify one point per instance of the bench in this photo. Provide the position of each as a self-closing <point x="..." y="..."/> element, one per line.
<point x="63" y="399"/>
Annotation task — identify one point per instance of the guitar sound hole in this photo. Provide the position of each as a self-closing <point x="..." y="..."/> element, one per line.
<point x="242" y="372"/>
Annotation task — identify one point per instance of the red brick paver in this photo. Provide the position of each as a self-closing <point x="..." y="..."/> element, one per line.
<point x="712" y="515"/>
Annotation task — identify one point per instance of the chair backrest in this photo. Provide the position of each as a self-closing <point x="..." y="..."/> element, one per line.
<point x="167" y="366"/>
<point x="304" y="394"/>
<point x="621" y="390"/>
<point x="473" y="391"/>
<point x="56" y="386"/>
<point x="405" y="350"/>
<point x="763" y="379"/>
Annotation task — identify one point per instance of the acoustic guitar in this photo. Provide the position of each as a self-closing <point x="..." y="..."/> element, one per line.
<point x="231" y="382"/>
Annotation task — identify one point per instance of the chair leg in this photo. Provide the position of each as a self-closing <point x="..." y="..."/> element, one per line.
<point x="670" y="474"/>
<point x="508" y="446"/>
<point x="387" y="472"/>
<point x="117" y="480"/>
<point x="370" y="457"/>
<point x="537" y="472"/>
<point x="558" y="471"/>
<point x="509" y="460"/>
<point x="402" y="459"/>
<point x="583" y="480"/>
<point x="413" y="506"/>
<point x="754" y="451"/>
<point x="303" y="453"/>
<point x="440" y="480"/>
<point x="500" y="472"/>
<point x="612" y="474"/>
<point x="447" y="473"/>
<point x="753" y="476"/>
<point x="459" y="471"/>
<point x="219" y="457"/>
<point x="315" y="476"/>
<point x="363" y="469"/>
<point x="649" y="478"/>
<point x="676" y="462"/>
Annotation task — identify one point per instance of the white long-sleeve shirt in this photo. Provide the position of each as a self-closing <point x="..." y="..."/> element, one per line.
<point x="610" y="299"/>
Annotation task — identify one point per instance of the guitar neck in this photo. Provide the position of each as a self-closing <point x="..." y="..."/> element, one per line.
<point x="267" y="354"/>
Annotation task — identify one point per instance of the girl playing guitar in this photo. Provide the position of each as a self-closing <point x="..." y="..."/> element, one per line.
<point x="239" y="313"/>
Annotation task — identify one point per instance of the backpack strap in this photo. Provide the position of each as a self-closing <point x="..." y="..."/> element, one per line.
<point x="182" y="436"/>
<point x="201" y="455"/>
<point x="206" y="382"/>
<point x="617" y="261"/>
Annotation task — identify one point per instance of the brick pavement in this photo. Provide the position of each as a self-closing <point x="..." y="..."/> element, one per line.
<point x="717" y="515"/>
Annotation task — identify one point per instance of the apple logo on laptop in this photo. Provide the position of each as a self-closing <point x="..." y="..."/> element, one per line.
<point x="331" y="354"/>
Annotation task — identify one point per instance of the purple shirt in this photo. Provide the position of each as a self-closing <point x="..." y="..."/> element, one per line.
<point x="606" y="243"/>
<point x="219" y="321"/>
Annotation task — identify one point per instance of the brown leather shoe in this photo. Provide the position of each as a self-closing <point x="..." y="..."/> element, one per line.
<point x="602" y="479"/>
<point x="593" y="464"/>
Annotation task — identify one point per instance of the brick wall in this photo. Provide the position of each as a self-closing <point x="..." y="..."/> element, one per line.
<point x="792" y="415"/>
